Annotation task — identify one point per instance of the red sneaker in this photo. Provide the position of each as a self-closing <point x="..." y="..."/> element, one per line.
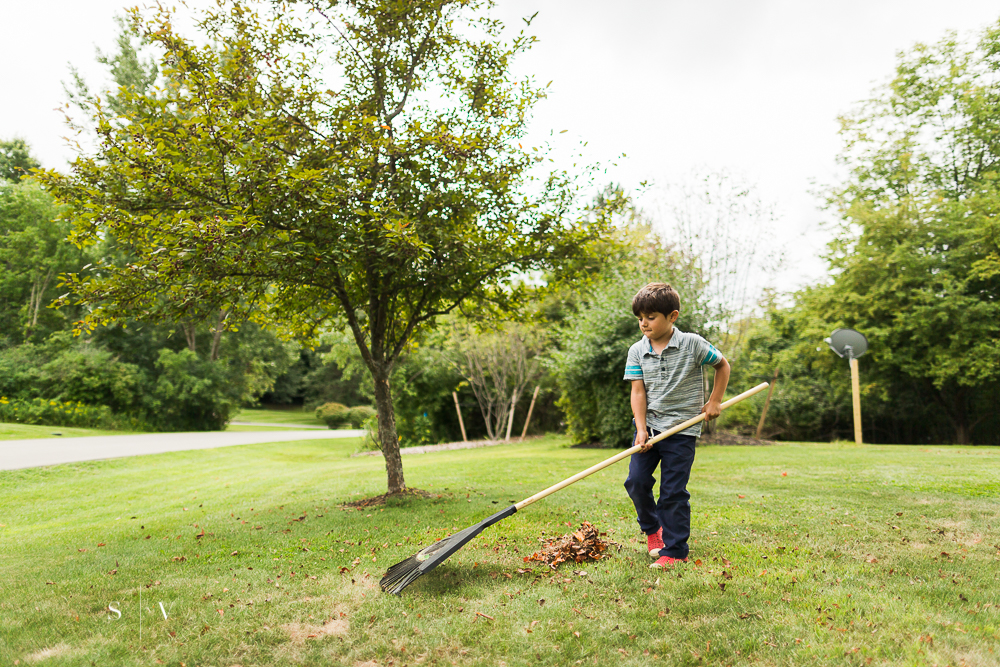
<point x="667" y="560"/>
<point x="654" y="543"/>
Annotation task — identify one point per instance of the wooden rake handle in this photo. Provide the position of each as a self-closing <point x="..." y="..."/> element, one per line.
<point x="632" y="450"/>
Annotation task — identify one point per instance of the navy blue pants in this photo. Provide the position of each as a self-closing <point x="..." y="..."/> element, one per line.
<point x="672" y="511"/>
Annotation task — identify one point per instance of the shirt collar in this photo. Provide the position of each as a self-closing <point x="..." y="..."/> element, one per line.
<point x="675" y="341"/>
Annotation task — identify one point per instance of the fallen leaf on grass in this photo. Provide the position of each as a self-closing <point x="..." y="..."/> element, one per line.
<point x="200" y="535"/>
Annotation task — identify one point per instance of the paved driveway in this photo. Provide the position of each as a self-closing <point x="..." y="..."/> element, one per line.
<point x="16" y="454"/>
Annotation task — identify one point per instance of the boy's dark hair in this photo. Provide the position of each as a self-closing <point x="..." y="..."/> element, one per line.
<point x="656" y="298"/>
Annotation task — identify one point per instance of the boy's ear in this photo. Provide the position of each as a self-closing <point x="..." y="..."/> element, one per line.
<point x="674" y="314"/>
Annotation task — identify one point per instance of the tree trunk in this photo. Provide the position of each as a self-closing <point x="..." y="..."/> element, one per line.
<point x="190" y="336"/>
<point x="388" y="439"/>
<point x="217" y="335"/>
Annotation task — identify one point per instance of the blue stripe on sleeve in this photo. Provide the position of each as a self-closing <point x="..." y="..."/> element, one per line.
<point x="712" y="357"/>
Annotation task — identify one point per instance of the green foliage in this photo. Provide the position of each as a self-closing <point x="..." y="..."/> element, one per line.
<point x="16" y="160"/>
<point x="190" y="394"/>
<point x="65" y="413"/>
<point x="33" y="253"/>
<point x="63" y="370"/>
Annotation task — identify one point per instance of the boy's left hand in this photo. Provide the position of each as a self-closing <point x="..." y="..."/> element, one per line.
<point x="712" y="410"/>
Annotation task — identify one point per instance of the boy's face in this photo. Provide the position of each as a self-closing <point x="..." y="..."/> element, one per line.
<point x="657" y="325"/>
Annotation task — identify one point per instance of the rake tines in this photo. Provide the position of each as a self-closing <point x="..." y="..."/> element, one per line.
<point x="403" y="573"/>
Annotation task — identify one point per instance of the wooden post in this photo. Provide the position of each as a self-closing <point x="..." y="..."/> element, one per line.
<point x="531" y="408"/>
<point x="856" y="391"/>
<point x="510" y="418"/>
<point x="767" y="404"/>
<point x="459" y="411"/>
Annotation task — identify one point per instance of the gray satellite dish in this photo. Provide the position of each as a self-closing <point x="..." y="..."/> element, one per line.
<point x="847" y="343"/>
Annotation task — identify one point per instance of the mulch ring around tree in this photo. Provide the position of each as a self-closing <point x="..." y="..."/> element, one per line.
<point x="380" y="500"/>
<point x="580" y="546"/>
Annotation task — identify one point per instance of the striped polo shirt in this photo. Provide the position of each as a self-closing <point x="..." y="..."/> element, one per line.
<point x="675" y="390"/>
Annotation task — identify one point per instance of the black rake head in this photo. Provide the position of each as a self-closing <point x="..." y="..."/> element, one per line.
<point x="404" y="573"/>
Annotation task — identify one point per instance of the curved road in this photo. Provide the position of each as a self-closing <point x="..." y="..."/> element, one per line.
<point x="15" y="454"/>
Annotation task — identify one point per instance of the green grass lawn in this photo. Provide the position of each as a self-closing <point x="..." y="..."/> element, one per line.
<point x="859" y="555"/>
<point x="277" y="417"/>
<point x="25" y="431"/>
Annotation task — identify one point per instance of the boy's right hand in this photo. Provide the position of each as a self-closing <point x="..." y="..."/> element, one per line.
<point x="642" y="441"/>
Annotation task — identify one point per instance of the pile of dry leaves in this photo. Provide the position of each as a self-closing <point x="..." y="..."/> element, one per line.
<point x="579" y="546"/>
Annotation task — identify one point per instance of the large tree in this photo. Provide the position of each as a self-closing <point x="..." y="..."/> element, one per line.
<point x="330" y="164"/>
<point x="916" y="264"/>
<point x="16" y="160"/>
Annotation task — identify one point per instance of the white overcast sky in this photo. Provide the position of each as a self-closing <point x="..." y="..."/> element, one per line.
<point x="751" y="86"/>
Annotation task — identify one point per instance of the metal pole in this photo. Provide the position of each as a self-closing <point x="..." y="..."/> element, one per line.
<point x="531" y="409"/>
<point x="767" y="403"/>
<point x="856" y="391"/>
<point x="461" y="423"/>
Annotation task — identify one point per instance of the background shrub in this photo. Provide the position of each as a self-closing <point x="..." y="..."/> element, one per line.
<point x="65" y="413"/>
<point x="334" y="414"/>
<point x="357" y="416"/>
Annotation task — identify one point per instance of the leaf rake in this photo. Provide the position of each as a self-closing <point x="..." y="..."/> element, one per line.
<point x="404" y="573"/>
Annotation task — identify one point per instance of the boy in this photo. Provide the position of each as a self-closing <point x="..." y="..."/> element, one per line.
<point x="667" y="389"/>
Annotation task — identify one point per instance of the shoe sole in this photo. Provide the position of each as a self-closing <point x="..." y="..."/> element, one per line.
<point x="655" y="553"/>
<point x="654" y="566"/>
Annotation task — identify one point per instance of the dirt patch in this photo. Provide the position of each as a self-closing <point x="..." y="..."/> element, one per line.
<point x="368" y="663"/>
<point x="380" y="500"/>
<point x="300" y="632"/>
<point x="580" y="546"/>
<point x="730" y="439"/>
<point x="59" y="649"/>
